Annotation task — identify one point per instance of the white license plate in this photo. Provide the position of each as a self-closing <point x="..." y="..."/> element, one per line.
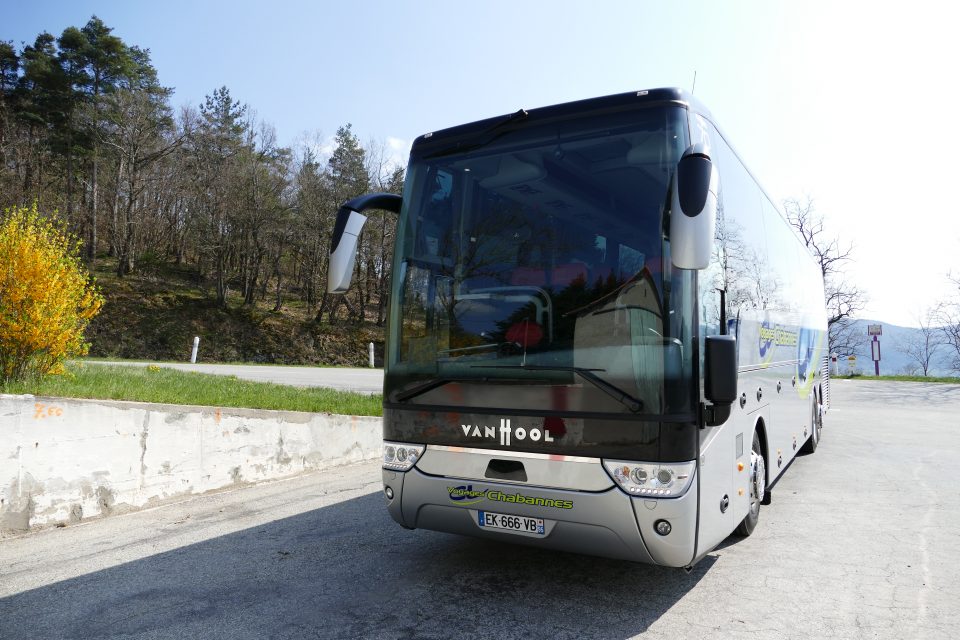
<point x="507" y="522"/>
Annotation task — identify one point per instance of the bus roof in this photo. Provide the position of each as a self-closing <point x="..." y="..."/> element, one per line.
<point x="448" y="140"/>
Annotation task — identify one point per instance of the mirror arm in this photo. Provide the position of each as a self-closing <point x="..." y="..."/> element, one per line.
<point x="723" y="311"/>
<point x="386" y="201"/>
<point x="715" y="415"/>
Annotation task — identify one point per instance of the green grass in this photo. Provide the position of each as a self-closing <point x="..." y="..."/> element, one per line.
<point x="903" y="378"/>
<point x="169" y="386"/>
<point x="237" y="363"/>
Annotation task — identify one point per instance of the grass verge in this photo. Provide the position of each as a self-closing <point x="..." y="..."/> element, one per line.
<point x="947" y="380"/>
<point x="237" y="363"/>
<point x="169" y="386"/>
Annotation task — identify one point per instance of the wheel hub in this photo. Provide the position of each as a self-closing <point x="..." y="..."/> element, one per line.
<point x="758" y="481"/>
<point x="816" y="424"/>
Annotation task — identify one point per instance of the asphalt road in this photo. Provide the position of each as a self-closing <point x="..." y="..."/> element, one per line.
<point x="860" y="542"/>
<point x="342" y="378"/>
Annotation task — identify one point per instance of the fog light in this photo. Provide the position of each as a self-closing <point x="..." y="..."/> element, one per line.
<point x="389" y="493"/>
<point x="662" y="527"/>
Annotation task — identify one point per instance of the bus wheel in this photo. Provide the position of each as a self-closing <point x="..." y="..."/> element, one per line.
<point x="758" y="487"/>
<point x="816" y="426"/>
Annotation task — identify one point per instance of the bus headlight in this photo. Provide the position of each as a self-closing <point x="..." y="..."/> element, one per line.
<point x="401" y="457"/>
<point x="652" y="479"/>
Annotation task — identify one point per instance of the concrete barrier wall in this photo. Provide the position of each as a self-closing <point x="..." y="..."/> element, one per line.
<point x="65" y="460"/>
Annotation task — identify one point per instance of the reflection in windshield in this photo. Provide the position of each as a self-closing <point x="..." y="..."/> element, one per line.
<point x="526" y="261"/>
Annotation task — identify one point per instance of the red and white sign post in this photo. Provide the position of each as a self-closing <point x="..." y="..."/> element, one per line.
<point x="876" y="331"/>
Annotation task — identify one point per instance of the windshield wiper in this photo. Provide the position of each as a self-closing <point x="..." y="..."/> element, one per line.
<point x="486" y="136"/>
<point x="420" y="389"/>
<point x="611" y="390"/>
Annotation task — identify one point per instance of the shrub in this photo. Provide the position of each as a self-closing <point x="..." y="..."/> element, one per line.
<point x="46" y="296"/>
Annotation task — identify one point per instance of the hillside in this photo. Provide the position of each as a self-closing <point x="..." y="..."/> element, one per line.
<point x="892" y="361"/>
<point x="155" y="313"/>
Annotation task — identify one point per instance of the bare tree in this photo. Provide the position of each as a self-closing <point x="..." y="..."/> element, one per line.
<point x="315" y="212"/>
<point x="262" y="184"/>
<point x="384" y="177"/>
<point x="843" y="299"/>
<point x="947" y="315"/>
<point x="139" y="134"/>
<point x="921" y="347"/>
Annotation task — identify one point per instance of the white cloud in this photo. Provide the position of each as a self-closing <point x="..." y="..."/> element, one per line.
<point x="398" y="144"/>
<point x="398" y="150"/>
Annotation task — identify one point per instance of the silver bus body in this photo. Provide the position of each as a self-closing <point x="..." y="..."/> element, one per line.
<point x="552" y="391"/>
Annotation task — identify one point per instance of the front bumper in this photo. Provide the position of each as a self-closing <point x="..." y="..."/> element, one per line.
<point x="603" y="523"/>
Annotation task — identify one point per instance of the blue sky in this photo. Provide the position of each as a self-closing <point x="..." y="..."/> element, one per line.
<point x="847" y="102"/>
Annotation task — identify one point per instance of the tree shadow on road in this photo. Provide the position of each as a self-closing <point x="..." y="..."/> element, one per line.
<point x="348" y="571"/>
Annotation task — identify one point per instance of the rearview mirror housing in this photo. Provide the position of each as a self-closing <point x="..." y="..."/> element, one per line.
<point x="343" y="251"/>
<point x="346" y="236"/>
<point x="719" y="378"/>
<point x="720" y="369"/>
<point x="693" y="211"/>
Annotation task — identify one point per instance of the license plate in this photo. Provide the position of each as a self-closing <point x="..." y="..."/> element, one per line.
<point x="507" y="522"/>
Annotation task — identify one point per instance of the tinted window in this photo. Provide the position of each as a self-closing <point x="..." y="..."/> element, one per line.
<point x="544" y="251"/>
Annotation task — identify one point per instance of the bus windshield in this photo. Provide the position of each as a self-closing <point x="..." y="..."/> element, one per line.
<point x="533" y="271"/>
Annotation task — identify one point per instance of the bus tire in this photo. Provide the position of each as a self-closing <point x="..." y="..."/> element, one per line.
<point x="816" y="428"/>
<point x="758" y="485"/>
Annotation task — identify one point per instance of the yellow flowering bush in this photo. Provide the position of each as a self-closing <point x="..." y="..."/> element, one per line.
<point x="47" y="298"/>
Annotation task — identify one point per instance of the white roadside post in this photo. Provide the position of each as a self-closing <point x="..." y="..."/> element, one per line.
<point x="196" y="346"/>
<point x="370" y="350"/>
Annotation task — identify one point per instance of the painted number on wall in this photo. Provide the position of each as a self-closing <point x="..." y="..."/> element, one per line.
<point x="42" y="411"/>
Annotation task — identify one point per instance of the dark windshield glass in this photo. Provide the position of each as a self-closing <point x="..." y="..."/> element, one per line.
<point x="539" y="262"/>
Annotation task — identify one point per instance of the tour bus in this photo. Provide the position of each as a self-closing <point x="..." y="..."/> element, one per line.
<point x="603" y="337"/>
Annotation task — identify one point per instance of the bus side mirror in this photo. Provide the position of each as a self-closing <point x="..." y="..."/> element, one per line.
<point x="720" y="370"/>
<point x="343" y="249"/>
<point x="346" y="236"/>
<point x="693" y="213"/>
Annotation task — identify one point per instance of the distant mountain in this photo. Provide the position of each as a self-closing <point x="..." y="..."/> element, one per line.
<point x="892" y="361"/>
